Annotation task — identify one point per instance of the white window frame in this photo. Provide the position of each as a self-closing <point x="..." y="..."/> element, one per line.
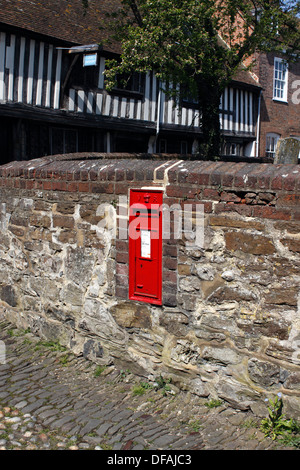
<point x="280" y="80"/>
<point x="272" y="139"/>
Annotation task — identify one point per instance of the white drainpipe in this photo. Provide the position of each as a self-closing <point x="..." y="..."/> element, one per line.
<point x="258" y="126"/>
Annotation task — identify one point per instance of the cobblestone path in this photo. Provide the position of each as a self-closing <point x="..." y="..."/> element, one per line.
<point x="51" y="400"/>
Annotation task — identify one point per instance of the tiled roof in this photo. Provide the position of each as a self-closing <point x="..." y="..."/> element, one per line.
<point x="67" y="20"/>
<point x="62" y="19"/>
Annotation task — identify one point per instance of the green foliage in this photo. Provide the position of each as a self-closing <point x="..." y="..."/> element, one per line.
<point x="141" y="388"/>
<point x="276" y="425"/>
<point x="213" y="403"/>
<point x="163" y="384"/>
<point x="64" y="360"/>
<point x="52" y="345"/>
<point x="195" y="426"/>
<point x="196" y="46"/>
<point x="98" y="371"/>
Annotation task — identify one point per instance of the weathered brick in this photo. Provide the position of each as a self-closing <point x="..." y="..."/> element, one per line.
<point x="47" y="185"/>
<point x="230" y="197"/>
<point x="63" y="221"/>
<point x="288" y="200"/>
<point x="215" y="220"/>
<point x="170" y="263"/>
<point x="18" y="219"/>
<point x="170" y="276"/>
<point x="121" y="291"/>
<point x="83" y="187"/>
<point x="212" y="194"/>
<point x="290" y="227"/>
<point x="293" y="244"/>
<point x="72" y="187"/>
<point x="65" y="207"/>
<point x="122" y="269"/>
<point x="121" y="257"/>
<point x="102" y="188"/>
<point x="40" y="221"/>
<point x="241" y="209"/>
<point x="282" y="296"/>
<point x="181" y="192"/>
<point x="184" y="269"/>
<point x="67" y="236"/>
<point x="269" y="212"/>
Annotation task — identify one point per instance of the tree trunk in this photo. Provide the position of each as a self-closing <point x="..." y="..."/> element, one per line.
<point x="209" y="99"/>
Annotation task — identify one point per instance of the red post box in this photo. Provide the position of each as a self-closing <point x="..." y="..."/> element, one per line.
<point x="145" y="246"/>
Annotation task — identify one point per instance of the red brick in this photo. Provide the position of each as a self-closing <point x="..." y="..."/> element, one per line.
<point x="170" y="276"/>
<point x="242" y="176"/>
<point x="59" y="186"/>
<point x="296" y="215"/>
<point x="289" y="183"/>
<point x="121" y="280"/>
<point x="84" y="175"/>
<point x="267" y="212"/>
<point x="182" y="192"/>
<point x="122" y="245"/>
<point x="29" y="184"/>
<point x="122" y="257"/>
<point x="83" y="187"/>
<point x="121" y="188"/>
<point x="72" y="187"/>
<point x="47" y="185"/>
<point x="241" y="209"/>
<point x="93" y="175"/>
<point x="122" y="269"/>
<point x="121" y="291"/>
<point x="288" y="200"/>
<point x="212" y="194"/>
<point x="170" y="250"/>
<point x="229" y="197"/>
<point x="102" y="188"/>
<point x="170" y="263"/>
<point x="197" y="178"/>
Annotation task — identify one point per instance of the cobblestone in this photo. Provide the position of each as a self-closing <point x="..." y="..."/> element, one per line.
<point x="51" y="400"/>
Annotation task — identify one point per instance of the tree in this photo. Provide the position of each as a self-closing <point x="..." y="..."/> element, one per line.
<point x="198" y="46"/>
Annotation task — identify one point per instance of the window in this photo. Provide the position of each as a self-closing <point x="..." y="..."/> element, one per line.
<point x="280" y="80"/>
<point x="84" y="77"/>
<point x="162" y="146"/>
<point x="232" y="148"/>
<point x="134" y="83"/>
<point x="188" y="98"/>
<point x="63" y="141"/>
<point x="183" y="147"/>
<point x="271" y="144"/>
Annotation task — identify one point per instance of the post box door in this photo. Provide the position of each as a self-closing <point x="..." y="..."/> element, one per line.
<point x="145" y="246"/>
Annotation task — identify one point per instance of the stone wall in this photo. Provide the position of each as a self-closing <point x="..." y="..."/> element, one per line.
<point x="229" y="325"/>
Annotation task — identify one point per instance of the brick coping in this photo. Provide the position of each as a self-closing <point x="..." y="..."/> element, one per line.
<point x="89" y="168"/>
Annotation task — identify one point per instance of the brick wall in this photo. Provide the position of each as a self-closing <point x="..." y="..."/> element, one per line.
<point x="229" y="322"/>
<point x="278" y="117"/>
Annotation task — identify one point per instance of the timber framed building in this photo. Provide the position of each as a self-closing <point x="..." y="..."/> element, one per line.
<point x="52" y="101"/>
